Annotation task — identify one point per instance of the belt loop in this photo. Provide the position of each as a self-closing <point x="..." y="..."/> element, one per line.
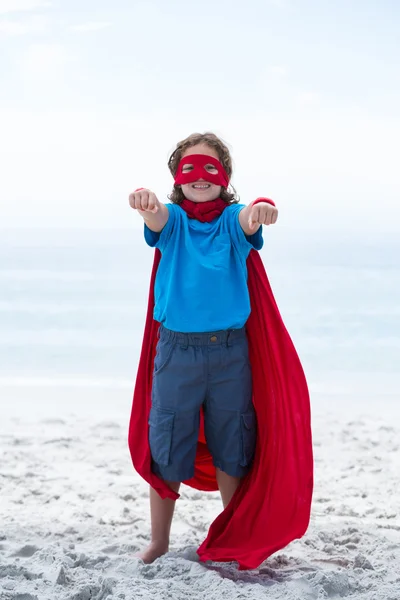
<point x="185" y="341"/>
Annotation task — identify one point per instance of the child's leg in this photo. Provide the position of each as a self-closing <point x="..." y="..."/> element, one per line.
<point x="178" y="390"/>
<point x="227" y="486"/>
<point x="229" y="416"/>
<point x="161" y="512"/>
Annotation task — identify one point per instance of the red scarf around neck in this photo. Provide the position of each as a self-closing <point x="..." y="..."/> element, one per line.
<point x="272" y="505"/>
<point x="205" y="212"/>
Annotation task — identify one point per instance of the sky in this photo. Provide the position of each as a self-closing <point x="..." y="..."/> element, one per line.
<point x="94" y="96"/>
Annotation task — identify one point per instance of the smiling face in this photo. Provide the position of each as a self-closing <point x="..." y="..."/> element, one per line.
<point x="201" y="190"/>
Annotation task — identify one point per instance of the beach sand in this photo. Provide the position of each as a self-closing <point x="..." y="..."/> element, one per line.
<point x="73" y="511"/>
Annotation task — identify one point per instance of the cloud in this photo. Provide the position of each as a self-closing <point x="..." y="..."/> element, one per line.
<point x="15" y="28"/>
<point x="10" y="6"/>
<point x="92" y="26"/>
<point x="308" y="98"/>
<point x="44" y="61"/>
<point x="279" y="70"/>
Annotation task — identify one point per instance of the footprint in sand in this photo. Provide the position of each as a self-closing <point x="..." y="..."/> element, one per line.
<point x="26" y="551"/>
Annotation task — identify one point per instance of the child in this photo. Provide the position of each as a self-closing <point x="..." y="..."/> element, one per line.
<point x="199" y="401"/>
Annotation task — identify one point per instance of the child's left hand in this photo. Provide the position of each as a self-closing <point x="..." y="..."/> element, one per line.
<point x="262" y="213"/>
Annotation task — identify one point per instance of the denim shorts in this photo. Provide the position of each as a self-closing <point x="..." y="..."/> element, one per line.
<point x="193" y="370"/>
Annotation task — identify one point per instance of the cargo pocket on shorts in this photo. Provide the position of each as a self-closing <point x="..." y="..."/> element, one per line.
<point x="248" y="433"/>
<point x="161" y="424"/>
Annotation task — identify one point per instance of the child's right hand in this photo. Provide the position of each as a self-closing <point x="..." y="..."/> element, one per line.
<point x="144" y="200"/>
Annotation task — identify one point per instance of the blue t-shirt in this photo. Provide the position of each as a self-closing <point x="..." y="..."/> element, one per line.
<point x="201" y="281"/>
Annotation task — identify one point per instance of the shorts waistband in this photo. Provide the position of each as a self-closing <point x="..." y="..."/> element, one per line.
<point x="210" y="338"/>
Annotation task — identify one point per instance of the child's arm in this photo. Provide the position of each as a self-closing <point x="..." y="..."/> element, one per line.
<point x="256" y="214"/>
<point x="154" y="212"/>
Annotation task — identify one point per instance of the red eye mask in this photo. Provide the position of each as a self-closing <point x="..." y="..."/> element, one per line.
<point x="199" y="171"/>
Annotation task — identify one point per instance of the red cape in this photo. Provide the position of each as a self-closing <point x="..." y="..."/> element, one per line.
<point x="272" y="506"/>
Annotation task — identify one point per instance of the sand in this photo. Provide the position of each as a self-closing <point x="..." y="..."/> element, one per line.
<point x="73" y="512"/>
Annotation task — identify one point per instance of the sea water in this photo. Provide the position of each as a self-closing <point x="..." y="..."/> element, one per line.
<point x="73" y="304"/>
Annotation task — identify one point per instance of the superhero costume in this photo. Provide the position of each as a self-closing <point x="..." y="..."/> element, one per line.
<point x="272" y="505"/>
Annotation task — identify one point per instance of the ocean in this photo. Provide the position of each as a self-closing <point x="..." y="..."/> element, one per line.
<point x="73" y="303"/>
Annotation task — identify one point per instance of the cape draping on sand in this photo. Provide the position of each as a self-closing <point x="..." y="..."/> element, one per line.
<point x="271" y="507"/>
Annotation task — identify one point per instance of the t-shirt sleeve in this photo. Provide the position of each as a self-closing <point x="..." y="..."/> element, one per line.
<point x="242" y="241"/>
<point x="159" y="239"/>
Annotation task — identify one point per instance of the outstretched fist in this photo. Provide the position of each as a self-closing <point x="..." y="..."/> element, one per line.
<point x="262" y="213"/>
<point x="144" y="200"/>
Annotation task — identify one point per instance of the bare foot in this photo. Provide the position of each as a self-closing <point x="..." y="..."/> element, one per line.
<point x="153" y="551"/>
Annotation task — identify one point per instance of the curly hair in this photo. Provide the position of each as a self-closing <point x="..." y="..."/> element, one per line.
<point x="222" y="150"/>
